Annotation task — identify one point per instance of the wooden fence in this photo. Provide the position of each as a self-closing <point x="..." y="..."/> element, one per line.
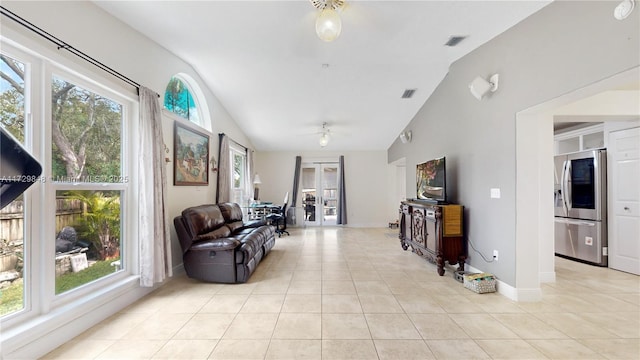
<point x="68" y="212"/>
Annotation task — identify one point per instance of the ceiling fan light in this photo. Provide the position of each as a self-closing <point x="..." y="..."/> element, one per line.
<point x="328" y="24"/>
<point x="324" y="139"/>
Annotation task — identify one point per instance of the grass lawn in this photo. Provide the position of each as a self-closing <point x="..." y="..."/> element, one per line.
<point x="11" y="298"/>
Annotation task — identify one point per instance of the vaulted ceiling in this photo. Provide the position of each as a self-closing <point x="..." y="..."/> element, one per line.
<point x="280" y="82"/>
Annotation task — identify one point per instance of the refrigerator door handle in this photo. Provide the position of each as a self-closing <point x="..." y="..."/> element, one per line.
<point x="567" y="187"/>
<point x="563" y="190"/>
<point x="575" y="222"/>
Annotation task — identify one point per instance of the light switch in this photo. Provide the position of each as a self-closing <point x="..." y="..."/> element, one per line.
<point x="495" y="193"/>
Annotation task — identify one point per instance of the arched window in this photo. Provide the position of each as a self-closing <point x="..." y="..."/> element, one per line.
<point x="178" y="100"/>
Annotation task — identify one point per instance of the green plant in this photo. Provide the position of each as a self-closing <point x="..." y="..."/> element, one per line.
<point x="101" y="221"/>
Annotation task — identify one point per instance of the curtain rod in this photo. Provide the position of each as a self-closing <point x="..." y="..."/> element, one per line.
<point x="237" y="143"/>
<point x="63" y="45"/>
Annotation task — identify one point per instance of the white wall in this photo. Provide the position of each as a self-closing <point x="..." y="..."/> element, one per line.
<point x="366" y="182"/>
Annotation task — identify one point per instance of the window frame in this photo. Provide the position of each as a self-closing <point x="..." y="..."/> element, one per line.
<point x="52" y="186"/>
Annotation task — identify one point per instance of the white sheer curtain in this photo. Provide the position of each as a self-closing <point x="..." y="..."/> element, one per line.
<point x="224" y="171"/>
<point x="153" y="228"/>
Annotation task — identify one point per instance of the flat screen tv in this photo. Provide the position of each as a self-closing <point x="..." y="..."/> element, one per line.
<point x="431" y="180"/>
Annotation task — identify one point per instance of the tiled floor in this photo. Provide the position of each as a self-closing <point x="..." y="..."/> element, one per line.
<point x="354" y="294"/>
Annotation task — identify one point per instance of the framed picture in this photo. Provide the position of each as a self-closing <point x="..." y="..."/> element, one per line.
<point x="191" y="157"/>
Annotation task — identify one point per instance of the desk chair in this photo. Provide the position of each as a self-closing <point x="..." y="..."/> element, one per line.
<point x="279" y="217"/>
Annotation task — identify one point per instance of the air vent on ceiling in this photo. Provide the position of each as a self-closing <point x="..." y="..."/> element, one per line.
<point x="454" y="40"/>
<point x="408" y="94"/>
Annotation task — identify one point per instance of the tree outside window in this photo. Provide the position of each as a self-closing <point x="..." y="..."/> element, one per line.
<point x="178" y="100"/>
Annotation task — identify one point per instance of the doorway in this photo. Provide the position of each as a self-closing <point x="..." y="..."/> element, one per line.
<point x="320" y="193"/>
<point x="534" y="210"/>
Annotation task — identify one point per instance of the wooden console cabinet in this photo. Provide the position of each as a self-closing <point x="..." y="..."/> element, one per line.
<point x="434" y="232"/>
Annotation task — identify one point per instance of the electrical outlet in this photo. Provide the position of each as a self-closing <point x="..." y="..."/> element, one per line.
<point x="495" y="255"/>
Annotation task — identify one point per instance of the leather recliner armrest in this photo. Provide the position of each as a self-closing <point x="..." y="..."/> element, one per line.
<point x="221" y="244"/>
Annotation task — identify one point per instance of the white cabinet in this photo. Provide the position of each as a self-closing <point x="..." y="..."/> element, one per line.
<point x="591" y="137"/>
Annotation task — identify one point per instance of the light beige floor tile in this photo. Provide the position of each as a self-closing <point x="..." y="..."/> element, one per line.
<point x="332" y="304"/>
<point x="186" y="349"/>
<point x="298" y="326"/>
<point x="225" y="303"/>
<point x="302" y="303"/>
<point x="482" y="326"/>
<point x="564" y="349"/>
<point x="259" y="303"/>
<point x="237" y="289"/>
<point x="251" y="326"/>
<point x="294" y="349"/>
<point x="510" y="349"/>
<point x="158" y="327"/>
<point x="305" y="287"/>
<point x="115" y="327"/>
<point x="307" y="275"/>
<point x="272" y="287"/>
<point x="365" y="275"/>
<point x="186" y="305"/>
<point x="574" y="326"/>
<point x="615" y="348"/>
<point x="348" y="349"/>
<point x="375" y="287"/>
<point x="79" y="349"/>
<point x="391" y="326"/>
<point x="539" y="307"/>
<point x="336" y="275"/>
<point x="380" y="304"/>
<point x="437" y="326"/>
<point x="240" y="349"/>
<point x="205" y="326"/>
<point x="403" y="349"/>
<point x="625" y="325"/>
<point x="456" y="349"/>
<point x="344" y="326"/>
<point x="131" y="349"/>
<point x="338" y="287"/>
<point x="456" y="304"/>
<point x="418" y="304"/>
<point x="527" y="326"/>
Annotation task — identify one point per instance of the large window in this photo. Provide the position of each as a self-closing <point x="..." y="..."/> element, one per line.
<point x="86" y="138"/>
<point x="68" y="235"/>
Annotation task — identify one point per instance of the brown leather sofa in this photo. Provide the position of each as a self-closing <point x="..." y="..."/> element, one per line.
<point x="217" y="246"/>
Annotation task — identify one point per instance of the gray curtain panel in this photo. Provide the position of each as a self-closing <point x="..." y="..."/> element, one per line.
<point x="291" y="212"/>
<point x="342" y="195"/>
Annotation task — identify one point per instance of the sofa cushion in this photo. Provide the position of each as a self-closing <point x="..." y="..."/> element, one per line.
<point x="234" y="226"/>
<point x="218" y="233"/>
<point x="231" y="212"/>
<point x="202" y="219"/>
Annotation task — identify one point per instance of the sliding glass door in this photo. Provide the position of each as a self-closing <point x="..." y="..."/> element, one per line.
<point x="320" y="193"/>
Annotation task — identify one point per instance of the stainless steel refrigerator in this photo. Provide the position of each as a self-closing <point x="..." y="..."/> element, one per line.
<point x="580" y="199"/>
